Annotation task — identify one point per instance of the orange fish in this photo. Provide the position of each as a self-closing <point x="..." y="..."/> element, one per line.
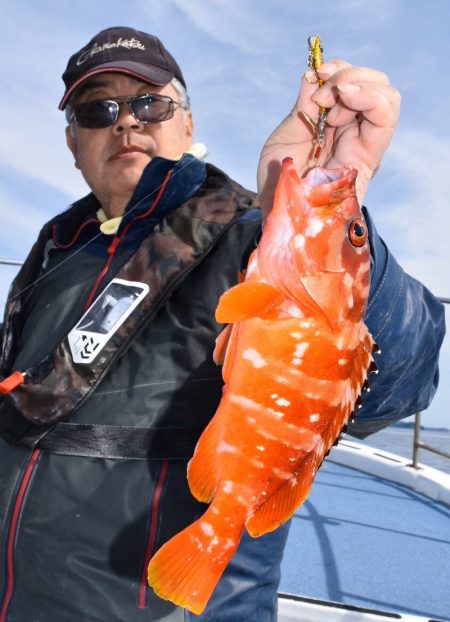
<point x="296" y="356"/>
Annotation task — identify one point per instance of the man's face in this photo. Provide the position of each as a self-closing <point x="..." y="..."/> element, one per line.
<point x="112" y="159"/>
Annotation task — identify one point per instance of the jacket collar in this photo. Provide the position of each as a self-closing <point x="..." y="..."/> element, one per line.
<point x="80" y="223"/>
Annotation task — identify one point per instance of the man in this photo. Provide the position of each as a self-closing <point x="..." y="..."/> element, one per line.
<point x="95" y="442"/>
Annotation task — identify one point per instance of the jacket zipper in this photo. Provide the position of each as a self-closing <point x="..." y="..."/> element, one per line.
<point x="152" y="532"/>
<point x="11" y="537"/>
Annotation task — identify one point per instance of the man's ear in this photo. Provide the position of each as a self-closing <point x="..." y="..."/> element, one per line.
<point x="189" y="125"/>
<point x="70" y="140"/>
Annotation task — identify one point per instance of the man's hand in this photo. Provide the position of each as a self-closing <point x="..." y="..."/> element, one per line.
<point x="363" y="113"/>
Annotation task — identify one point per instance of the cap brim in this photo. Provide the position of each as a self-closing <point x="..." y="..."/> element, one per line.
<point x="147" y="73"/>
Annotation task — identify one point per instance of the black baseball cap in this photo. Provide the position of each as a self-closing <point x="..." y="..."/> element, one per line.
<point x="123" y="50"/>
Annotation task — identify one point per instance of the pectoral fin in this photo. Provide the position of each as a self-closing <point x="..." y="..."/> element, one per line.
<point x="247" y="300"/>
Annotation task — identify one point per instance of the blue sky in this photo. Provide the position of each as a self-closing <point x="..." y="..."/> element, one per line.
<point x="242" y="61"/>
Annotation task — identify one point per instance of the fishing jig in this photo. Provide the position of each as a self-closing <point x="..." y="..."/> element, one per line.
<point x="315" y="61"/>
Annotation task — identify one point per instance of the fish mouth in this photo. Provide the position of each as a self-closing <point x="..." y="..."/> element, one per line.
<point x="318" y="176"/>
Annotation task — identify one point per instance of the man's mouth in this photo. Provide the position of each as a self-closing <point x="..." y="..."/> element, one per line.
<point x="125" y="153"/>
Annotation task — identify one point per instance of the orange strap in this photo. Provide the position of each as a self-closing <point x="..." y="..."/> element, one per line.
<point x="12" y="382"/>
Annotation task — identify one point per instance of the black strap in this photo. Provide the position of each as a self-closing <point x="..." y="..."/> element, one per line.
<point x="114" y="441"/>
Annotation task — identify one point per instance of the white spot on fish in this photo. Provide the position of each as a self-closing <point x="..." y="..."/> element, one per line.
<point x="282" y="402"/>
<point x="315" y="225"/>
<point x="257" y="464"/>
<point x="350" y="302"/>
<point x="296" y="335"/>
<point x="274" y="396"/>
<point x="228" y="487"/>
<point x="282" y="379"/>
<point x="207" y="528"/>
<point x="314" y="417"/>
<point x="251" y="420"/>
<point x="294" y="310"/>
<point x="276" y="413"/>
<point x="229" y="544"/>
<point x="313" y="396"/>
<point x="214" y="542"/>
<point x="280" y="473"/>
<point x="306" y="323"/>
<point x="260" y="448"/>
<point x="251" y="404"/>
<point x="299" y="241"/>
<point x="301" y="349"/>
<point x="340" y="342"/>
<point x="215" y="510"/>
<point x="296" y="361"/>
<point x="224" y="447"/>
<point x="254" y="357"/>
<point x="342" y="361"/>
<point x="348" y="280"/>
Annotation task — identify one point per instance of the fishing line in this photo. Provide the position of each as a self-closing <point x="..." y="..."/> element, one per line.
<point x="75" y="253"/>
<point x="79" y="250"/>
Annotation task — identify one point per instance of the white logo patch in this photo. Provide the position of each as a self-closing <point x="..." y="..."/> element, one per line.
<point x="104" y="317"/>
<point x="129" y="44"/>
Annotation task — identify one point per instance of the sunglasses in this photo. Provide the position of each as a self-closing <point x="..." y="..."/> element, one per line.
<point x="149" y="108"/>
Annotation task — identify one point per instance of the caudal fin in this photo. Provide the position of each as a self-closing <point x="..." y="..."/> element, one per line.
<point x="188" y="567"/>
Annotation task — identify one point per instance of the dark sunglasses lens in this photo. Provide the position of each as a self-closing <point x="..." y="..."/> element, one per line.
<point x="96" y="114"/>
<point x="152" y="110"/>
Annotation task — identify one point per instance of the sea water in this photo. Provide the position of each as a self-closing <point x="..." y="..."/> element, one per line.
<point x="399" y="440"/>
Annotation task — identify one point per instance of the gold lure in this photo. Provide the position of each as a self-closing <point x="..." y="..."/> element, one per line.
<point x="315" y="61"/>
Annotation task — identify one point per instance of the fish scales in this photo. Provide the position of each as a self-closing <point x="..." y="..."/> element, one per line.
<point x="296" y="355"/>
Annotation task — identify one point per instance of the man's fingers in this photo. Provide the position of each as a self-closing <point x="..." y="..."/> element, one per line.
<point x="379" y="104"/>
<point x="328" y="94"/>
<point x="310" y="86"/>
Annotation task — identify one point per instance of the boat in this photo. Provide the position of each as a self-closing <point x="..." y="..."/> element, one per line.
<point x="372" y="541"/>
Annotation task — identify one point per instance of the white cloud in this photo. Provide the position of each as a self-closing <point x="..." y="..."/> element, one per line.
<point x="241" y="24"/>
<point x="415" y="220"/>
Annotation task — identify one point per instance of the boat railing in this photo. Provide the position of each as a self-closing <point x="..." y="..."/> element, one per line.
<point x="11" y="262"/>
<point x="417" y="443"/>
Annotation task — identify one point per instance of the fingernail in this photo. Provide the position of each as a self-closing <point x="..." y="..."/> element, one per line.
<point x="327" y="69"/>
<point x="349" y="89"/>
<point x="310" y="77"/>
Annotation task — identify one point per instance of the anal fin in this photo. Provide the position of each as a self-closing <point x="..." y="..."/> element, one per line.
<point x="278" y="508"/>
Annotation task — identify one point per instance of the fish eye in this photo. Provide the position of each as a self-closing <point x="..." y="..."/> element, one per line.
<point x="357" y="232"/>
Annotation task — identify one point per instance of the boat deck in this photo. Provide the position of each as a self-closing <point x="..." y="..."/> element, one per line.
<point x="370" y="542"/>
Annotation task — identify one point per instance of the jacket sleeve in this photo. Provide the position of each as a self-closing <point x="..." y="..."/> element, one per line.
<point x="408" y="324"/>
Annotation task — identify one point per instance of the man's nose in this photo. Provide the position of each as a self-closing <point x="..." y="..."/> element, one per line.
<point x="126" y="120"/>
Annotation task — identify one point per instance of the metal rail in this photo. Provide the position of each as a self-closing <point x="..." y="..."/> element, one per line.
<point x="417" y="443"/>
